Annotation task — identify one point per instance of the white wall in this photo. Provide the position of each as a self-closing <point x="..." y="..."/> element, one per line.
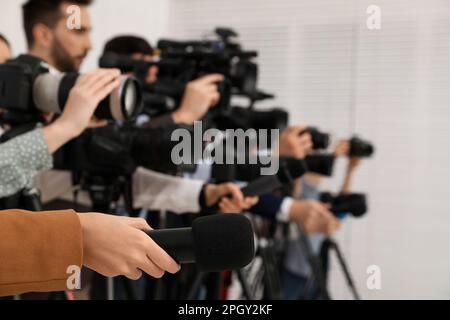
<point x="146" y="18"/>
<point x="392" y="87"/>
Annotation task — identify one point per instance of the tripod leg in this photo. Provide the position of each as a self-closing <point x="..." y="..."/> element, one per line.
<point x="214" y="286"/>
<point x="344" y="267"/>
<point x="245" y="285"/>
<point x="198" y="281"/>
<point x="314" y="263"/>
<point x="110" y="288"/>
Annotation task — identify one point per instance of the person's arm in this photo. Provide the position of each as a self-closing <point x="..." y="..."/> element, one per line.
<point x="22" y="158"/>
<point x="157" y="191"/>
<point x="352" y="165"/>
<point x="312" y="215"/>
<point x="39" y="251"/>
<point x="36" y="249"/>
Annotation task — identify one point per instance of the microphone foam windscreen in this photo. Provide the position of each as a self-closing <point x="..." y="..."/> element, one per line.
<point x="223" y="242"/>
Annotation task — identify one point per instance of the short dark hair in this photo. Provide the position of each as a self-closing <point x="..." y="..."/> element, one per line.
<point x="46" y="12"/>
<point x="128" y="45"/>
<point x="3" y="38"/>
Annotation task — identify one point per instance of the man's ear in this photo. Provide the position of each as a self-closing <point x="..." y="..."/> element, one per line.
<point x="43" y="36"/>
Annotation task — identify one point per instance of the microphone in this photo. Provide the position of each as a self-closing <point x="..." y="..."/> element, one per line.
<point x="214" y="243"/>
<point x="290" y="169"/>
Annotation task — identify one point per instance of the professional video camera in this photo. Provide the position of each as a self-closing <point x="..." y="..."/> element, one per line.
<point x="224" y="56"/>
<point x="29" y="88"/>
<point x="182" y="62"/>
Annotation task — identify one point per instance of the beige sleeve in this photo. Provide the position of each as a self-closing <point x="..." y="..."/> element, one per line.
<point x="36" y="250"/>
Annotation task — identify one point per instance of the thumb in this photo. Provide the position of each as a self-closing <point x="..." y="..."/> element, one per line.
<point x="137" y="223"/>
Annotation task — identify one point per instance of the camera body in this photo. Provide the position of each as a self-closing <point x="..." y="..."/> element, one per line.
<point x="319" y="139"/>
<point x="354" y="204"/>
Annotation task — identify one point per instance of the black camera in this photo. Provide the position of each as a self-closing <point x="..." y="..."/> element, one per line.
<point x="222" y="56"/>
<point x="320" y="140"/>
<point x="354" y="204"/>
<point x="322" y="164"/>
<point x="28" y="88"/>
<point x="361" y="148"/>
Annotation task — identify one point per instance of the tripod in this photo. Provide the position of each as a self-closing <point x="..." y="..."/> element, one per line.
<point x="332" y="245"/>
<point x="314" y="263"/>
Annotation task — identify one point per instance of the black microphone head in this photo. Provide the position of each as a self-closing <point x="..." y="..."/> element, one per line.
<point x="291" y="168"/>
<point x="223" y="242"/>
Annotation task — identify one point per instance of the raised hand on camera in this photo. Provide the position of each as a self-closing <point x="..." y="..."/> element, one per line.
<point x="342" y="149"/>
<point x="229" y="197"/>
<point x="200" y="95"/>
<point x="114" y="246"/>
<point x="88" y="92"/>
<point x="295" y="144"/>
<point x="314" y="216"/>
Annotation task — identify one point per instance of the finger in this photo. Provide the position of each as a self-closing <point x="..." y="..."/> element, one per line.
<point x="95" y="123"/>
<point x="211" y="78"/>
<point x="90" y="79"/>
<point x="211" y="88"/>
<point x="102" y="81"/>
<point x="215" y="98"/>
<point x="137" y="223"/>
<point x="151" y="268"/>
<point x="135" y="274"/>
<point x="249" y="202"/>
<point x="226" y="206"/>
<point x="106" y="90"/>
<point x="161" y="258"/>
<point x="236" y="194"/>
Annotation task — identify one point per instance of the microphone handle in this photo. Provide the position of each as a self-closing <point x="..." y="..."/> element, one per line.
<point x="262" y="186"/>
<point x="178" y="243"/>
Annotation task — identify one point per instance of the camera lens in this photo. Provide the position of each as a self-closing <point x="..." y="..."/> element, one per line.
<point x="361" y="148"/>
<point x="50" y="94"/>
<point x="124" y="103"/>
